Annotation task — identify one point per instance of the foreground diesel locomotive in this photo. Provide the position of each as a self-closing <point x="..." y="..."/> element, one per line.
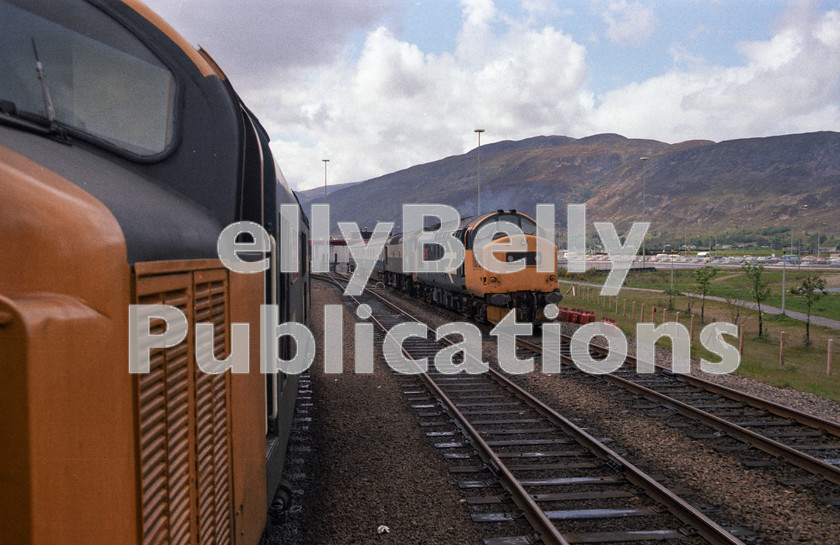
<point x="472" y="290"/>
<point x="124" y="152"/>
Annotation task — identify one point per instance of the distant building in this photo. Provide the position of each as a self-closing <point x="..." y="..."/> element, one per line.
<point x="340" y="258"/>
<point x="339" y="255"/>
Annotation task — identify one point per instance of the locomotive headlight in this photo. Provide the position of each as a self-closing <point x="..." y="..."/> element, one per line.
<point x="493" y="279"/>
<point x="552" y="278"/>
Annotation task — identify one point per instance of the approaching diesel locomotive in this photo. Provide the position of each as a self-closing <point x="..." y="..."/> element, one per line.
<point x="124" y="152"/>
<point x="472" y="289"/>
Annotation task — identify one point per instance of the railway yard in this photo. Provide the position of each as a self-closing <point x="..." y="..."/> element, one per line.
<point x="392" y="458"/>
<point x="201" y="346"/>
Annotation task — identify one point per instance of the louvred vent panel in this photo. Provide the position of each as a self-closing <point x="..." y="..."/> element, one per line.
<point x="183" y="420"/>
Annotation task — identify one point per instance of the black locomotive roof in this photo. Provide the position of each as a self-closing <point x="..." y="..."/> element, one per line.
<point x="471" y="221"/>
<point x="157" y="222"/>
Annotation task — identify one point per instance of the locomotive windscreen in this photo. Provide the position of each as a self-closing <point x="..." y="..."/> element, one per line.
<point x="96" y="76"/>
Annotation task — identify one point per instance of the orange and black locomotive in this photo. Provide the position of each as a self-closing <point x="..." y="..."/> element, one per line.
<point x="472" y="289"/>
<point x="124" y="152"/>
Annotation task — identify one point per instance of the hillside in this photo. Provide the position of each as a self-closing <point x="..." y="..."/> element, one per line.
<point x="696" y="188"/>
<point x="310" y="195"/>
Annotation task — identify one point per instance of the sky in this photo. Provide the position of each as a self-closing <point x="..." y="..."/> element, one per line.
<point x="377" y="86"/>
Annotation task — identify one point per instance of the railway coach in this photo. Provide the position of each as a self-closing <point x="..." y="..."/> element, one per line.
<point x="472" y="290"/>
<point x="124" y="152"/>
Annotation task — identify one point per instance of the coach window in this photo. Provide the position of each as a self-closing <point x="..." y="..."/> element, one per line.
<point x="104" y="83"/>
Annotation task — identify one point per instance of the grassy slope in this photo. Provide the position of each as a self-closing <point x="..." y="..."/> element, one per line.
<point x="805" y="366"/>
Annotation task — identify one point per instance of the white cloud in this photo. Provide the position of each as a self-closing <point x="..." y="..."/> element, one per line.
<point x="788" y="83"/>
<point x="335" y="80"/>
<point x="251" y="39"/>
<point x="629" y="23"/>
<point x="397" y="106"/>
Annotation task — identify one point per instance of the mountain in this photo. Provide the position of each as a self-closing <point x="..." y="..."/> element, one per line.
<point x="693" y="188"/>
<point x="309" y="195"/>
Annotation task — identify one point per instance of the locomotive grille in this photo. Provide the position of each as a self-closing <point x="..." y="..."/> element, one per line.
<point x="214" y="500"/>
<point x="185" y="492"/>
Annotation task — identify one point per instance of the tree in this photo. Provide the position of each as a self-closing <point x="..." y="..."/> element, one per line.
<point x="810" y="290"/>
<point x="704" y="277"/>
<point x="758" y="289"/>
<point x="733" y="305"/>
<point x="689" y="302"/>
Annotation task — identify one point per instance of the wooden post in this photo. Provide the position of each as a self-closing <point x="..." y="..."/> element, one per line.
<point x="782" y="349"/>
<point x="678" y="316"/>
<point x="828" y="361"/>
<point x="653" y="315"/>
<point x="691" y="329"/>
<point x="741" y="340"/>
<point x="664" y="315"/>
<point x="642" y="313"/>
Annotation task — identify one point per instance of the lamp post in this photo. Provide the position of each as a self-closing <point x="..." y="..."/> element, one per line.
<point x="644" y="208"/>
<point x="799" y="235"/>
<point x="818" y="240"/>
<point x="784" y="273"/>
<point x="325" y="178"/>
<point x="478" y="208"/>
<point x="671" y="291"/>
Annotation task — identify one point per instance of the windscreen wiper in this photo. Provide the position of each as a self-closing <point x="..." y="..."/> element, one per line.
<point x="11" y="116"/>
<point x="48" y="105"/>
<point x="54" y="128"/>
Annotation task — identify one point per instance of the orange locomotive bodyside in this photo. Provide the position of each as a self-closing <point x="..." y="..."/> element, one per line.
<point x="92" y="454"/>
<point x="68" y="453"/>
<point x="89" y="452"/>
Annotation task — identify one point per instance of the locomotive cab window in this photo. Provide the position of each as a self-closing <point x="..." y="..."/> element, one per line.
<point x="103" y="84"/>
<point x="528" y="226"/>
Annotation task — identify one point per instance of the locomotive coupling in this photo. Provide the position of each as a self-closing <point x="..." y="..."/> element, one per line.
<point x="553" y="297"/>
<point x="499" y="299"/>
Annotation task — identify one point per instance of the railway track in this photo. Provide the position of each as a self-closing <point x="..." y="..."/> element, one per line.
<point x="524" y="460"/>
<point x="800" y="439"/>
<point x="783" y="434"/>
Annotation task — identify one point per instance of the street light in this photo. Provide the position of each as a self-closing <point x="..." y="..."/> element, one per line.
<point x="325" y="178"/>
<point x="644" y="209"/>
<point x="478" y="208"/>
<point x="784" y="273"/>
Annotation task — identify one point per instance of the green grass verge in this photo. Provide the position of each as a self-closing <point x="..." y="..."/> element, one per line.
<point x="804" y="368"/>
<point x="731" y="283"/>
